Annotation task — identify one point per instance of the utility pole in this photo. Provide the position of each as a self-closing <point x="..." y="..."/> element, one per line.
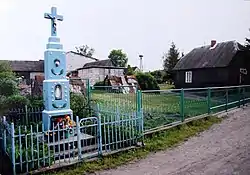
<point x="141" y="66"/>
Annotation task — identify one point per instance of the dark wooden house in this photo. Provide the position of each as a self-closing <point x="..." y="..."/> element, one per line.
<point x="218" y="64"/>
<point x="27" y="69"/>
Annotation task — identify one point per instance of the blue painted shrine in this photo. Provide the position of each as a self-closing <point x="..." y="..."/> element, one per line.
<point x="56" y="85"/>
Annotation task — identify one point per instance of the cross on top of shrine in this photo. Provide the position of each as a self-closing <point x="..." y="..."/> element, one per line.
<point x="53" y="17"/>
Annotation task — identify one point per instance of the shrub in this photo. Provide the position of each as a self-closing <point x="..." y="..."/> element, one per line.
<point x="158" y="75"/>
<point x="17" y="101"/>
<point x="99" y="83"/>
<point x="35" y="101"/>
<point x="79" y="105"/>
<point x="8" y="87"/>
<point x="147" y="81"/>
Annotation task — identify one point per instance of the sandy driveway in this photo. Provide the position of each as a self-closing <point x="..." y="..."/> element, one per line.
<point x="224" y="150"/>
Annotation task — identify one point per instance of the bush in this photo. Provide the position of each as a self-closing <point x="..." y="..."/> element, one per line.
<point x="147" y="81"/>
<point x="79" y="105"/>
<point x="158" y="75"/>
<point x="17" y="101"/>
<point x="8" y="87"/>
<point x="99" y="83"/>
<point x="35" y="101"/>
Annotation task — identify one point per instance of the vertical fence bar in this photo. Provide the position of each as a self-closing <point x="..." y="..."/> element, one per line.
<point x="20" y="147"/>
<point x="243" y="96"/>
<point x="142" y="126"/>
<point x="13" y="157"/>
<point x="4" y="135"/>
<point x="88" y="91"/>
<point x="182" y="105"/>
<point x="99" y="131"/>
<point x="37" y="146"/>
<point x="78" y="138"/>
<point x="26" y="115"/>
<point x="139" y="114"/>
<point x="226" y="99"/>
<point x="26" y="149"/>
<point x="208" y="100"/>
<point x="32" y="147"/>
<point x="239" y="98"/>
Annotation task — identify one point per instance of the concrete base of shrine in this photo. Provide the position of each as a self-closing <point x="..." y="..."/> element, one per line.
<point x="49" y="115"/>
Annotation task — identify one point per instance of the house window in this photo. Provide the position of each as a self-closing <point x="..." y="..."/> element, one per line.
<point x="188" y="77"/>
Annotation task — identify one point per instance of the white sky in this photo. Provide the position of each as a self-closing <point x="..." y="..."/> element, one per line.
<point x="137" y="26"/>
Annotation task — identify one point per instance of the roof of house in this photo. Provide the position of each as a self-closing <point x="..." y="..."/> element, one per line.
<point x="27" y="66"/>
<point x="101" y="64"/>
<point x="133" y="68"/>
<point x="207" y="57"/>
<point x="76" y="53"/>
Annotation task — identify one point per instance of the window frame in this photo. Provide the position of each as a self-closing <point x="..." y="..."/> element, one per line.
<point x="188" y="77"/>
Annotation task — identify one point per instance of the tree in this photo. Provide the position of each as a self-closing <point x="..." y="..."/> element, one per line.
<point x="158" y="75"/>
<point x="170" y="59"/>
<point x="9" y="94"/>
<point x="130" y="70"/>
<point x="85" y="50"/>
<point x="118" y="58"/>
<point x="248" y="43"/>
<point x="146" y="81"/>
<point x="182" y="54"/>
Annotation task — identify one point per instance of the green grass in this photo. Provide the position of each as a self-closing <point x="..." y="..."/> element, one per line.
<point x="164" y="108"/>
<point x="156" y="142"/>
<point x="166" y="86"/>
<point x="159" y="108"/>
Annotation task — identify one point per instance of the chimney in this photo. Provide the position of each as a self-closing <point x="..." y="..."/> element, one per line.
<point x="213" y="42"/>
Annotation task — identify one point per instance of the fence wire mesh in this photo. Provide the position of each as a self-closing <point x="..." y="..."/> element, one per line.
<point x="113" y="96"/>
<point x="160" y="108"/>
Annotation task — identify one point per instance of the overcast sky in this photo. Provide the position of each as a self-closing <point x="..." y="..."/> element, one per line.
<point x="136" y="26"/>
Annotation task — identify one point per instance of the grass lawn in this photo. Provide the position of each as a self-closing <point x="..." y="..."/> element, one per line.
<point x="157" y="142"/>
<point x="166" y="86"/>
<point x="158" y="108"/>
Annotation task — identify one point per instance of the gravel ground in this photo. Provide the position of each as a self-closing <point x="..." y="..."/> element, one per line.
<point x="224" y="149"/>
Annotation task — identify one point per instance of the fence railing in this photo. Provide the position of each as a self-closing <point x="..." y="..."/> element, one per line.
<point x="31" y="148"/>
<point x="112" y="96"/>
<point x="161" y="107"/>
<point x="119" y="121"/>
<point x="167" y="107"/>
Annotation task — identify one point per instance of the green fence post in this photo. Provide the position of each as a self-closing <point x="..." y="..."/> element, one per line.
<point x="208" y="100"/>
<point x="239" y="97"/>
<point x="140" y="117"/>
<point x="243" y="96"/>
<point x="88" y="92"/>
<point x="4" y="135"/>
<point x="99" y="131"/>
<point x="13" y="153"/>
<point x="226" y="100"/>
<point x="182" y="105"/>
<point x="26" y="115"/>
<point x="138" y="108"/>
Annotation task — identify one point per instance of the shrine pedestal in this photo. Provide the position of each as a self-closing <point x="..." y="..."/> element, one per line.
<point x="48" y="116"/>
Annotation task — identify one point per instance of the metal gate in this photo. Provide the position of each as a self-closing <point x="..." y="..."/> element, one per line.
<point x="89" y="137"/>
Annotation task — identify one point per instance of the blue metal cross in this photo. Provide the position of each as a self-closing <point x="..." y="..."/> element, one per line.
<point x="53" y="17"/>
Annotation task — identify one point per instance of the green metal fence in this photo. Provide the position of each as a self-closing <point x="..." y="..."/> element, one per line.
<point x="160" y="107"/>
<point x="31" y="148"/>
<point x="166" y="107"/>
<point x="111" y="96"/>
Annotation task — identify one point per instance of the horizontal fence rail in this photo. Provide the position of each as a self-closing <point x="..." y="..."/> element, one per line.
<point x="169" y="107"/>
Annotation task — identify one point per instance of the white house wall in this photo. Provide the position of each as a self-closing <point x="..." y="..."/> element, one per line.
<point x="75" y="61"/>
<point x="98" y="74"/>
<point x="33" y="74"/>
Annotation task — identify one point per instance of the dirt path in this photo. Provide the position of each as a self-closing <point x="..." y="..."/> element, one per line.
<point x="222" y="150"/>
